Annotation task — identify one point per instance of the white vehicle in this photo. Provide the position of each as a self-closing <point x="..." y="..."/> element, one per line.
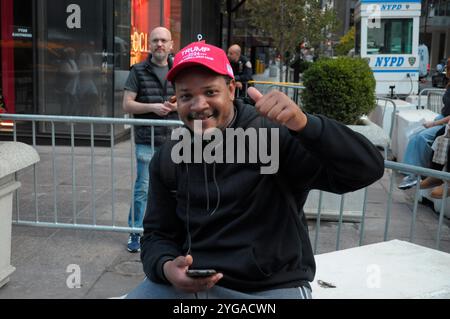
<point x="387" y="35"/>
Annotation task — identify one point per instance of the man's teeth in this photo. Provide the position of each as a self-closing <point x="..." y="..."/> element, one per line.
<point x="202" y="116"/>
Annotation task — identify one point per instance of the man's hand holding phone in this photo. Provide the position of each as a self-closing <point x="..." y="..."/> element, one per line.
<point x="200" y="273"/>
<point x="176" y="272"/>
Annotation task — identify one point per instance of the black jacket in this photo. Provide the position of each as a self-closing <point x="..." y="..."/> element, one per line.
<point x="239" y="221"/>
<point x="446" y="101"/>
<point x="242" y="73"/>
<point x="151" y="90"/>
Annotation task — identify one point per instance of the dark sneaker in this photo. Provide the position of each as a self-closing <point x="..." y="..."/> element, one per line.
<point x="134" y="245"/>
<point x="408" y="182"/>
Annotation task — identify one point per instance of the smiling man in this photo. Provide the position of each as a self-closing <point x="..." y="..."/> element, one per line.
<point x="224" y="230"/>
<point x="204" y="98"/>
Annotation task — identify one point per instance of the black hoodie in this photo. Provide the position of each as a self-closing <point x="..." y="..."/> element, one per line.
<point x="239" y="222"/>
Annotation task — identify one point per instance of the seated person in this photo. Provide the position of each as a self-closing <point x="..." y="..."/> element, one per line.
<point x="440" y="162"/>
<point x="418" y="151"/>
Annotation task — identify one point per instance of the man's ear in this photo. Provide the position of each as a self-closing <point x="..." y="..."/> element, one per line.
<point x="232" y="89"/>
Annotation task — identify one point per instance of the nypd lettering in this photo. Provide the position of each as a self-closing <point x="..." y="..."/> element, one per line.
<point x="391" y="7"/>
<point x="389" y="61"/>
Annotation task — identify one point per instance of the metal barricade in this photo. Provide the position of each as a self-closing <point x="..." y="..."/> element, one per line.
<point x="434" y="99"/>
<point x="56" y="200"/>
<point x="59" y="178"/>
<point x="292" y="90"/>
<point x="393" y="168"/>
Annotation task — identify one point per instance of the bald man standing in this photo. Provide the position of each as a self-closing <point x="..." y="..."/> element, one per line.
<point x="148" y="96"/>
<point x="242" y="69"/>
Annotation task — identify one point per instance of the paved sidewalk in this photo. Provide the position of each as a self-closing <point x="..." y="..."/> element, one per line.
<point x="44" y="257"/>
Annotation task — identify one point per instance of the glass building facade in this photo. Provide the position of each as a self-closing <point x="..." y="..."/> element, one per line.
<point x="72" y="57"/>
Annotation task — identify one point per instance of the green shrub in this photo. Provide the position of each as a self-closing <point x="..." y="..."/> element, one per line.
<point x="342" y="89"/>
<point x="304" y="65"/>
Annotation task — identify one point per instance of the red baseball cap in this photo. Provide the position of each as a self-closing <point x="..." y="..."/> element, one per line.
<point x="200" y="53"/>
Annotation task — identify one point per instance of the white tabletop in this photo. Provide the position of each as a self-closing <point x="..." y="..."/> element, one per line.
<point x="394" y="269"/>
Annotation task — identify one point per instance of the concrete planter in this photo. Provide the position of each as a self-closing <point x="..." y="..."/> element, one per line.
<point x="13" y="158"/>
<point x="331" y="203"/>
<point x="354" y="201"/>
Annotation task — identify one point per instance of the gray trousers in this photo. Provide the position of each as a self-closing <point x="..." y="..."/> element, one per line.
<point x="150" y="290"/>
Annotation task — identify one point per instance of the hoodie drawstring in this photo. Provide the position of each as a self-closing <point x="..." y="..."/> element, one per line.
<point x="217" y="188"/>
<point x="188" y="206"/>
<point x="205" y="174"/>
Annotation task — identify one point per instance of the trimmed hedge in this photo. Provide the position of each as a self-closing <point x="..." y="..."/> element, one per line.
<point x="304" y="65"/>
<point x="342" y="89"/>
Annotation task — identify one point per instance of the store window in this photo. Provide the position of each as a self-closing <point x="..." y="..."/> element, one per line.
<point x="175" y="23"/>
<point x="73" y="66"/>
<point x="147" y="15"/>
<point x="394" y="37"/>
<point x="140" y="30"/>
<point x="122" y="41"/>
<point x="72" y="57"/>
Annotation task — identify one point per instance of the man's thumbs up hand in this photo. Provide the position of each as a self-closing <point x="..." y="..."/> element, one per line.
<point x="279" y="108"/>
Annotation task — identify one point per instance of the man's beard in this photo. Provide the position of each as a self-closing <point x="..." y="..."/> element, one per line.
<point x="160" y="56"/>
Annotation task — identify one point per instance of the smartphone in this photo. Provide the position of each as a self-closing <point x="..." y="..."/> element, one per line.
<point x="198" y="273"/>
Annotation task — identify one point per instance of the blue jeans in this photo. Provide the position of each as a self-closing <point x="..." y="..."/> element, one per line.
<point x="144" y="155"/>
<point x="150" y="290"/>
<point x="419" y="152"/>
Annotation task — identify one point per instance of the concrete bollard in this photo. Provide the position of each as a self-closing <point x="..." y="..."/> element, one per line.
<point x="13" y="158"/>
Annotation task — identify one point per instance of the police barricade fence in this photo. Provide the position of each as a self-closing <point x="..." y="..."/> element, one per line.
<point x="434" y="99"/>
<point x="50" y="196"/>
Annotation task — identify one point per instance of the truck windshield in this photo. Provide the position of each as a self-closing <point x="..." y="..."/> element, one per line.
<point x="395" y="36"/>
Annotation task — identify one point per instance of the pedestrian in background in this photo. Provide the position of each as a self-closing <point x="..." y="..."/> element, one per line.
<point x="418" y="151"/>
<point x="70" y="80"/>
<point x="242" y="69"/>
<point x="148" y="96"/>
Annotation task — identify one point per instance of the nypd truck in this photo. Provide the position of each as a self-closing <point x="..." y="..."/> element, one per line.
<point x="387" y="36"/>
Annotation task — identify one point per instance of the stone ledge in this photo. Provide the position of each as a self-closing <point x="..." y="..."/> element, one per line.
<point x="5" y="273"/>
<point x="15" y="156"/>
<point x="372" y="132"/>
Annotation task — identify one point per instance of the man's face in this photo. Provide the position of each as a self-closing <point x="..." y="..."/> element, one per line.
<point x="160" y="44"/>
<point x="206" y="97"/>
<point x="233" y="55"/>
